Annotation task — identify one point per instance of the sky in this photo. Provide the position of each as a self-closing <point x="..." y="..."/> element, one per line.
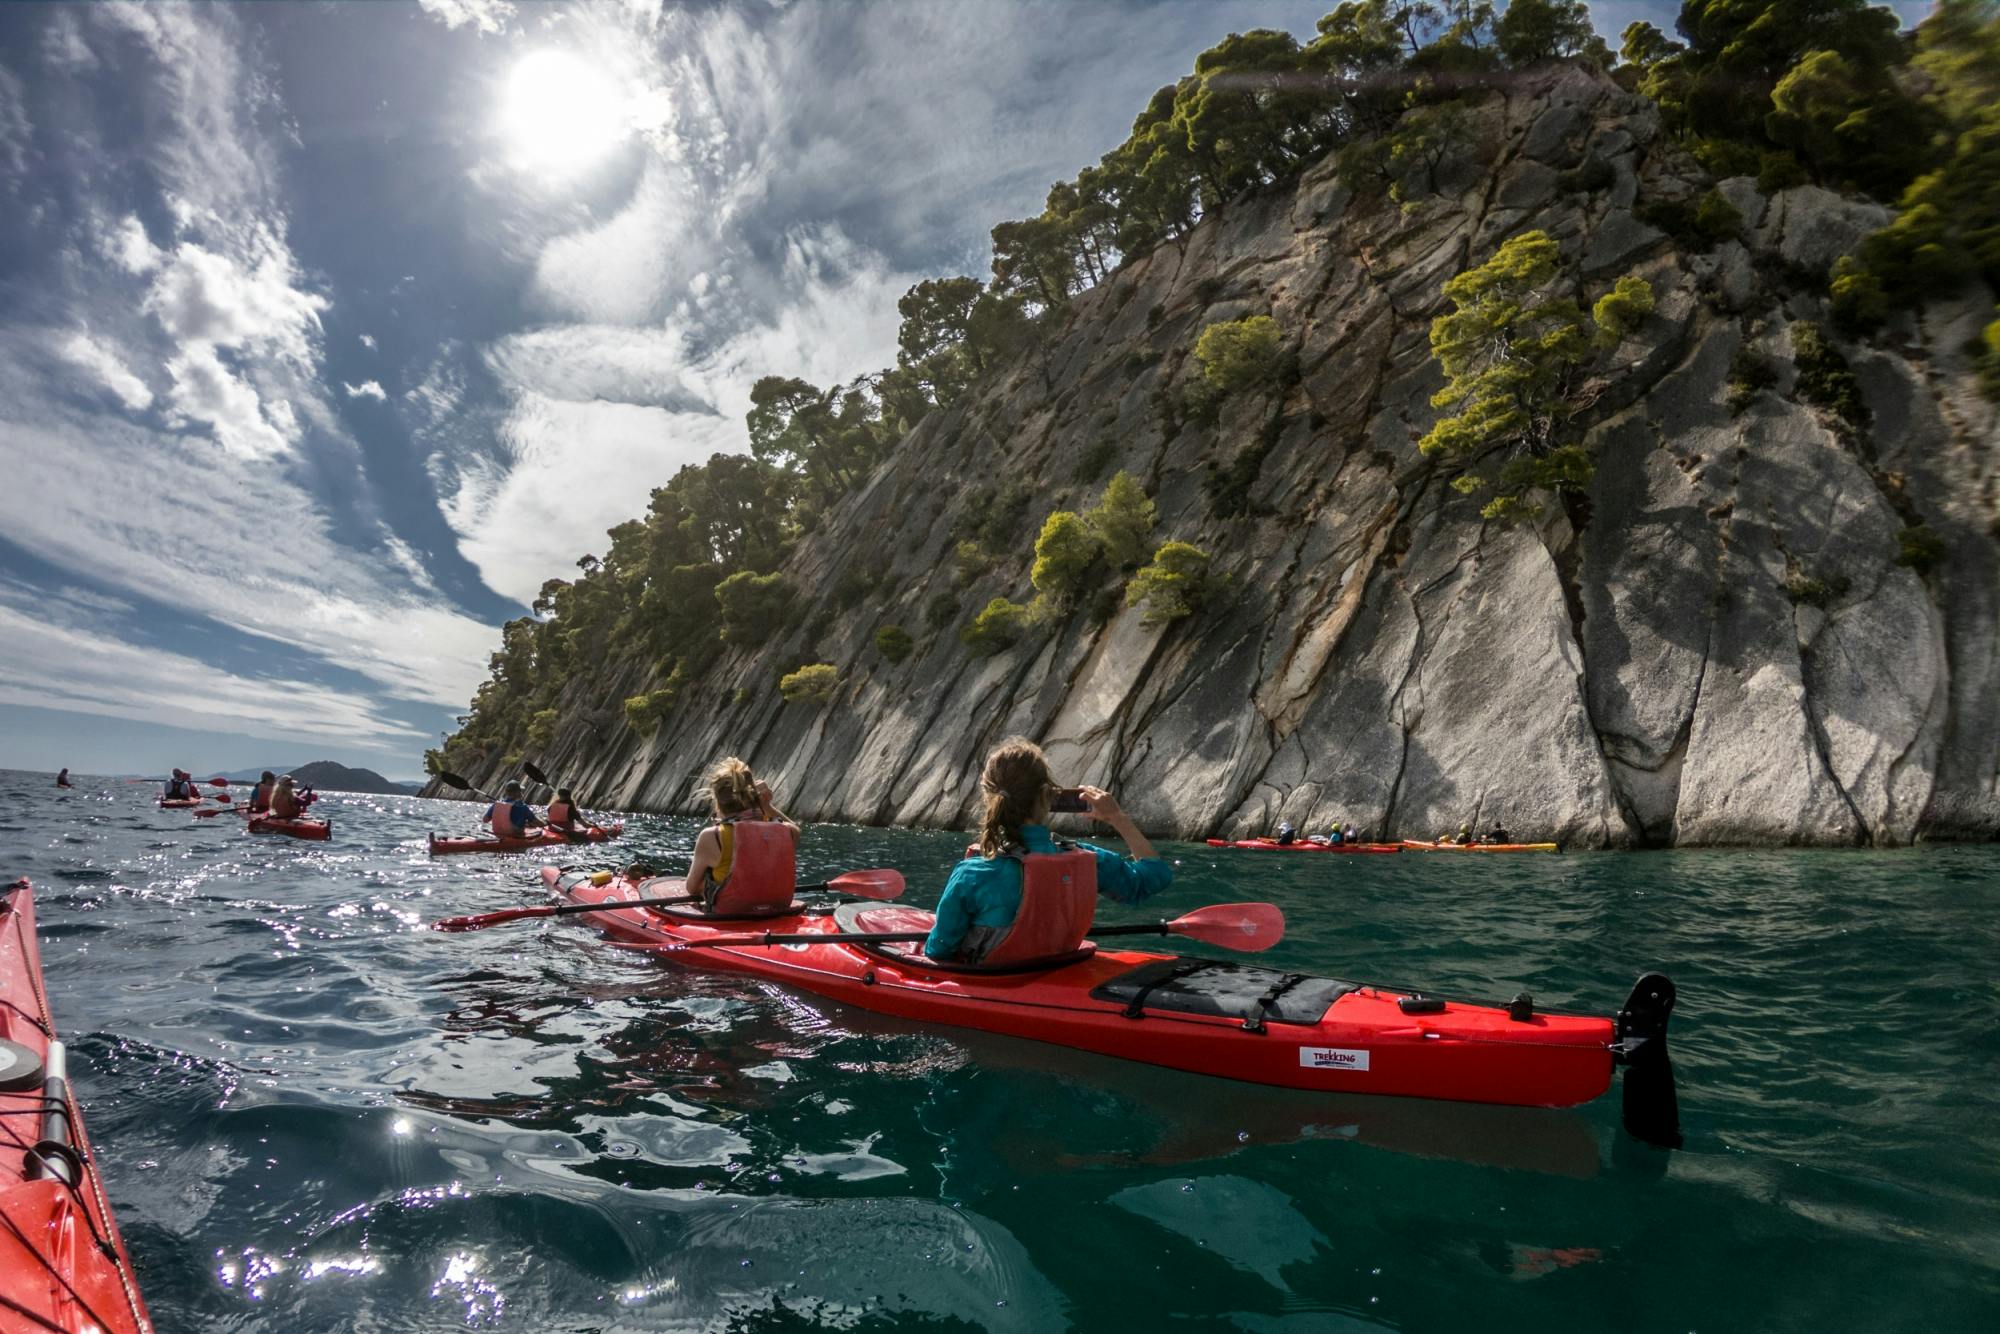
<point x="329" y="331"/>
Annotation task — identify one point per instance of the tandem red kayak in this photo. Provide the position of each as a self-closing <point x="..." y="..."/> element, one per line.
<point x="63" y="1265"/>
<point x="296" y="828"/>
<point x="1212" y="1017"/>
<point x="1301" y="845"/>
<point x="545" y="839"/>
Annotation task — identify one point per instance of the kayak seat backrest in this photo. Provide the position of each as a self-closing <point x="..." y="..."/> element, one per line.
<point x="1058" y="902"/>
<point x="763" y="869"/>
<point x="871" y="917"/>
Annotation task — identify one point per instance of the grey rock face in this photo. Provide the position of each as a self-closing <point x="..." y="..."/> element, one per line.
<point x="1716" y="644"/>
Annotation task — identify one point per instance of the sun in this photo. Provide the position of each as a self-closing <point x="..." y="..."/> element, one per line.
<point x="559" y="116"/>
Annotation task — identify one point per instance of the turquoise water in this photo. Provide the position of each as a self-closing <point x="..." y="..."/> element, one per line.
<point x="313" y="1114"/>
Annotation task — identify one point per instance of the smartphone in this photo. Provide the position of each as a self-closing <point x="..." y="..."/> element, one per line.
<point x="1069" y="800"/>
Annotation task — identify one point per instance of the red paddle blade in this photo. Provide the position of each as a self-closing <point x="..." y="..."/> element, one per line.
<point x="491" y="918"/>
<point x="1236" y="926"/>
<point x="873" y="884"/>
<point x="218" y="782"/>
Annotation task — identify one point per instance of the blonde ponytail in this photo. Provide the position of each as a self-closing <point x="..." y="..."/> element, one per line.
<point x="733" y="788"/>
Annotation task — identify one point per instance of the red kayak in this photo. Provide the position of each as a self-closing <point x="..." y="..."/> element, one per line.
<point x="63" y="1265"/>
<point x="1208" y="1016"/>
<point x="301" y="827"/>
<point x="179" y="803"/>
<point x="545" y="839"/>
<point x="1301" y="845"/>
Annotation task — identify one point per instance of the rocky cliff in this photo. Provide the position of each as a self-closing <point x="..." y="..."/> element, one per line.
<point x="1770" y="621"/>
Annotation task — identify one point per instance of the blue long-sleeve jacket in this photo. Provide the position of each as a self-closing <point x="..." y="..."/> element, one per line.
<point x="986" y="891"/>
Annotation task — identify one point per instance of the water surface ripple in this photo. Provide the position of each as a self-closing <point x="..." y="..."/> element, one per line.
<point x="313" y="1114"/>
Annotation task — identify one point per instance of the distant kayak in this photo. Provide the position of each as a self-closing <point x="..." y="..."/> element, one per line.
<point x="545" y="839"/>
<point x="1302" y="845"/>
<point x="1418" y="845"/>
<point x="179" y="803"/>
<point x="63" y="1265"/>
<point x="298" y="828"/>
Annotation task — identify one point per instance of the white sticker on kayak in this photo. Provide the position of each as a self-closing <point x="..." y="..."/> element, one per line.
<point x="1332" y="1058"/>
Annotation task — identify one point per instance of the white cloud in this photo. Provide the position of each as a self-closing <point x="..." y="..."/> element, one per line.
<point x="63" y="46"/>
<point x="126" y="244"/>
<point x="572" y="471"/>
<point x="104" y="363"/>
<point x="366" y="389"/>
<point x="16" y="133"/>
<point x="59" y="656"/>
<point x="205" y="393"/>
<point x="488" y="16"/>
<point x="368" y="341"/>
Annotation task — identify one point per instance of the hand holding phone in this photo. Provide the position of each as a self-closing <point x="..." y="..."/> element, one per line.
<point x="1069" y="801"/>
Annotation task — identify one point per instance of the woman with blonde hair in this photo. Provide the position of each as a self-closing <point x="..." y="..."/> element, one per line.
<point x="986" y="910"/>
<point x="747" y="861"/>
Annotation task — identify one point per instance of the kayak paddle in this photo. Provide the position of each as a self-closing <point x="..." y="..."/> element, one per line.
<point x="207" y="811"/>
<point x="873" y="884"/>
<point x="536" y="775"/>
<point x="1235" y="926"/>
<point x="453" y="780"/>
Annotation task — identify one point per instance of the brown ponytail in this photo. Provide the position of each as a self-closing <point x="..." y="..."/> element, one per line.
<point x="1016" y="783"/>
<point x="733" y="788"/>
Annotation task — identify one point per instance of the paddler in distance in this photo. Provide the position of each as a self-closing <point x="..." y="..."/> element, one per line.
<point x="563" y="815"/>
<point x="511" y="817"/>
<point x="285" y="803"/>
<point x="747" y="860"/>
<point x="985" y="894"/>
<point x="180" y="787"/>
<point x="62" y="779"/>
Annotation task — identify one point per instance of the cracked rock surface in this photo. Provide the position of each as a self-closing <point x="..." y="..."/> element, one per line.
<point x="1716" y="645"/>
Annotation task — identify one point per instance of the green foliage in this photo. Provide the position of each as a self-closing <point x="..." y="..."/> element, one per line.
<point x="1780" y="171"/>
<point x="1860" y="302"/>
<point x="1174" y="585"/>
<point x="968" y="561"/>
<point x="1122" y="521"/>
<point x="813" y="683"/>
<point x="1619" y="312"/>
<point x="1697" y="224"/>
<point x="1404" y="161"/>
<point x="893" y="642"/>
<point x="1919" y="547"/>
<point x="999" y="624"/>
<point x="1644" y="46"/>
<point x="1090" y="464"/>
<point x="542" y="728"/>
<point x="1238" y="356"/>
<point x="1825" y="378"/>
<point x="1750" y="373"/>
<point x="939" y="611"/>
<point x="991" y="515"/>
<point x="647" y="711"/>
<point x="1988" y="361"/>
<point x="753" y="606"/>
<point x="1066" y="554"/>
<point x="1534" y="32"/>
<point x="1510" y="352"/>
<point x="1805" y="590"/>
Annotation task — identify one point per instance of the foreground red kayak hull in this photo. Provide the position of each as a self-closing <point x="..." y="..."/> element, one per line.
<point x="595" y="834"/>
<point x="299" y="828"/>
<point x="53" y="1273"/>
<point x="1363" y="1042"/>
<point x="1301" y="845"/>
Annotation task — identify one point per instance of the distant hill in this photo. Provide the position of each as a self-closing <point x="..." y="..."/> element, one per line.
<point x="331" y="777"/>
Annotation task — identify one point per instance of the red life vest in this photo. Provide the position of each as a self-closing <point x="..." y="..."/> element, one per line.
<point x="763" y="867"/>
<point x="1058" y="903"/>
<point x="560" y="814"/>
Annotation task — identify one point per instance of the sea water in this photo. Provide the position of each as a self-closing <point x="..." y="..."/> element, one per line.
<point x="312" y="1113"/>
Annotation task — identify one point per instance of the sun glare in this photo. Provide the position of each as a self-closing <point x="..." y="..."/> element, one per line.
<point x="558" y="115"/>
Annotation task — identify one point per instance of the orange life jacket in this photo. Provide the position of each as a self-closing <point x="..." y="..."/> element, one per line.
<point x="1058" y="903"/>
<point x="759" y="867"/>
<point x="560" y="814"/>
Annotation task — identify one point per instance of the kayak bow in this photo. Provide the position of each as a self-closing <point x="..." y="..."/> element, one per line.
<point x="63" y="1265"/>
<point x="1301" y="845"/>
<point x="1227" y="1019"/>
